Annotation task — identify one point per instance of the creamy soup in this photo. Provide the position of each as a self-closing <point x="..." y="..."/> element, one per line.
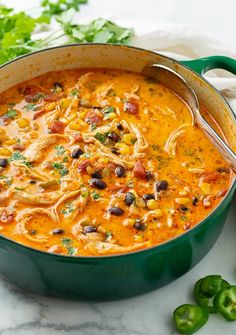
<point x="100" y="161"/>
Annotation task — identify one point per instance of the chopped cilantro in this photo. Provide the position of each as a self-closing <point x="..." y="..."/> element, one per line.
<point x="60" y="150"/>
<point x="11" y="113"/>
<point x="74" y="93"/>
<point x="68" y="244"/>
<point x="68" y="208"/>
<point x="60" y="168"/>
<point x="16" y="156"/>
<point x="95" y="195"/>
<point x="30" y="107"/>
<point x="65" y="159"/>
<point x="100" y="137"/>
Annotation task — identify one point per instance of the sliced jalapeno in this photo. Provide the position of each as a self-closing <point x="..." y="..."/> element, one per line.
<point x="189" y="318"/>
<point x="225" y="302"/>
<point x="208" y="286"/>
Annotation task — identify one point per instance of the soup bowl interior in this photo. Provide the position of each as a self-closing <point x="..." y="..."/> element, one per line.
<point x="117" y="276"/>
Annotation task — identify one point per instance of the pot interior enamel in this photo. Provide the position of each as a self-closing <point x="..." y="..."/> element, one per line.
<point x="119" y="276"/>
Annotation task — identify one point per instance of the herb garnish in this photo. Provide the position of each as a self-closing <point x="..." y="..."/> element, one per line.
<point x="100" y="137"/>
<point x="60" y="150"/>
<point x="69" y="208"/>
<point x="60" y="168"/>
<point x="68" y="244"/>
<point x="95" y="195"/>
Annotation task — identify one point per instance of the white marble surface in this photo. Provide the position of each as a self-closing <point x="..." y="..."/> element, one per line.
<point x="23" y="313"/>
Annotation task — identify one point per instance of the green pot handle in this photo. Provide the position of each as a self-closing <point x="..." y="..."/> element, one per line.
<point x="205" y="64"/>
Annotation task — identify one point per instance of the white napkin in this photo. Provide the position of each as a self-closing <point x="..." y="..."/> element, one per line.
<point x="185" y="42"/>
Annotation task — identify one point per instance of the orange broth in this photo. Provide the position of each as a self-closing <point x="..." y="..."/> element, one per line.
<point x="100" y="161"/>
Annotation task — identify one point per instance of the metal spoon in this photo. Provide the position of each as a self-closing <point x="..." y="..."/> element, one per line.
<point x="175" y="82"/>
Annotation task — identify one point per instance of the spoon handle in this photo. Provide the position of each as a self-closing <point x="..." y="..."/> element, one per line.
<point x="223" y="148"/>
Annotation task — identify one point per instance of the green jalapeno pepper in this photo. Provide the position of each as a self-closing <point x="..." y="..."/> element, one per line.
<point x="189" y="318"/>
<point x="225" y="302"/>
<point x="205" y="289"/>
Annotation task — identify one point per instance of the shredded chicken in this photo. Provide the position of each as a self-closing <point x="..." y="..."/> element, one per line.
<point x="170" y="145"/>
<point x="35" y="152"/>
<point x="45" y="198"/>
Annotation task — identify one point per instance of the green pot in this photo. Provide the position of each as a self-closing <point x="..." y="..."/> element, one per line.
<point x="118" y="276"/>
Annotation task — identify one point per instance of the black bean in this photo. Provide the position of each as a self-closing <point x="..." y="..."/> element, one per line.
<point x="115" y="151"/>
<point x="97" y="175"/>
<point x="148" y="196"/>
<point x="149" y="175"/>
<point x="223" y="170"/>
<point x="76" y="153"/>
<point x="120" y="171"/>
<point x="57" y="85"/>
<point x="119" y="126"/>
<point x="117" y="211"/>
<point x="89" y="229"/>
<point x="32" y="181"/>
<point x="57" y="231"/>
<point x="33" y="232"/>
<point x="129" y="198"/>
<point x="139" y="225"/>
<point x="3" y="162"/>
<point x="114" y="137"/>
<point x="195" y="201"/>
<point x="98" y="183"/>
<point x="161" y="185"/>
<point x="183" y="209"/>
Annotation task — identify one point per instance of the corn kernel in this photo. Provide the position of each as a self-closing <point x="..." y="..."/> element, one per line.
<point x="123" y="148"/>
<point x="182" y="201"/>
<point x="152" y="204"/>
<point x="5" y="152"/>
<point x="23" y="123"/>
<point x="205" y="187"/>
<point x="111" y="116"/>
<point x="49" y="107"/>
<point x="65" y="103"/>
<point x="73" y="116"/>
<point x="82" y="115"/>
<point x="75" y="126"/>
<point x="89" y="170"/>
<point x="103" y="160"/>
<point x="128" y="139"/>
<point x="10" y="142"/>
<point x="140" y="203"/>
<point x="129" y="222"/>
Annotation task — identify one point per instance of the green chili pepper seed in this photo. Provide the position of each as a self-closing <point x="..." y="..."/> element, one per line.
<point x="189" y="318"/>
<point x="225" y="302"/>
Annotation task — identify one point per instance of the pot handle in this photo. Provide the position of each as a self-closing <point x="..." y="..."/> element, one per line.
<point x="202" y="65"/>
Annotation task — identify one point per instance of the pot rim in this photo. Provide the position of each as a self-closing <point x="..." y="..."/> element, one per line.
<point x="162" y="245"/>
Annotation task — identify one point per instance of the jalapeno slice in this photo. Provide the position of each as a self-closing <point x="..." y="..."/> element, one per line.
<point x="225" y="302"/>
<point x="189" y="318"/>
<point x="206" y="288"/>
<point x="210" y="285"/>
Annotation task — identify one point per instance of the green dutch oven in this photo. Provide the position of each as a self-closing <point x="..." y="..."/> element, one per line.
<point x="125" y="275"/>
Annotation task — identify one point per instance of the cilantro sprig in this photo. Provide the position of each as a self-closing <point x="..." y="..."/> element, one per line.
<point x="17" y="28"/>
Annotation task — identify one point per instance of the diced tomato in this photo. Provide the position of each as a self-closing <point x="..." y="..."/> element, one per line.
<point x="222" y="193"/>
<point x="19" y="147"/>
<point x="93" y="117"/>
<point x="39" y="113"/>
<point x="77" y="137"/>
<point x="131" y="107"/>
<point x="6" y="217"/>
<point x="82" y="166"/>
<point x="210" y="176"/>
<point x="57" y="127"/>
<point x="138" y="170"/>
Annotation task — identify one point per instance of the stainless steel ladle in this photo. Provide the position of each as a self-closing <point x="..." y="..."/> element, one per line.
<point x="179" y="85"/>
